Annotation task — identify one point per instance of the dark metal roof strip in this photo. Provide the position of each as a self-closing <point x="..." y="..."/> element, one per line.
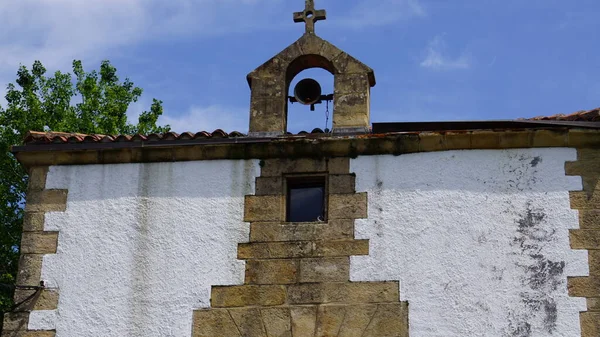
<point x="477" y="125"/>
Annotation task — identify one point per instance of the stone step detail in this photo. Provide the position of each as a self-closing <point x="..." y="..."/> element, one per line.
<point x="587" y="202"/>
<point x="35" y="243"/>
<point x="358" y="320"/>
<point x="297" y="277"/>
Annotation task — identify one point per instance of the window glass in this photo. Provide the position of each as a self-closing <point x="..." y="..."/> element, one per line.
<point x="306" y="202"/>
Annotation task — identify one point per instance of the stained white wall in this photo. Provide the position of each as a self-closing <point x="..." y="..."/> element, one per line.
<point x="478" y="239"/>
<point x="141" y="244"/>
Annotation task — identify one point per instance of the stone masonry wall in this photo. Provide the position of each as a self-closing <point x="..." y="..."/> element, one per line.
<point x="297" y="279"/>
<point x="35" y="244"/>
<point x="587" y="202"/>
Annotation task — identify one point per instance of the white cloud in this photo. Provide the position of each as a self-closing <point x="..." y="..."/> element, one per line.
<point x="436" y="60"/>
<point x="58" y="31"/>
<point x="208" y="119"/>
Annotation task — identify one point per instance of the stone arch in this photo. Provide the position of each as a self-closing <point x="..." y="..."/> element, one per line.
<point x="270" y="82"/>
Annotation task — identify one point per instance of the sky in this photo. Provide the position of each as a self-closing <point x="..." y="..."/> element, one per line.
<point x="434" y="60"/>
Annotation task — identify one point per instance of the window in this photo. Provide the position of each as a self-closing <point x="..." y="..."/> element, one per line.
<point x="306" y="199"/>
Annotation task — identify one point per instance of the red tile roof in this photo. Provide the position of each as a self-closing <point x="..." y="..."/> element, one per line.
<point x="40" y="138"/>
<point x="579" y="116"/>
<point x="35" y="137"/>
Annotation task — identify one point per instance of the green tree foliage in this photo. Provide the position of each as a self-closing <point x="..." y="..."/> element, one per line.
<point x="90" y="102"/>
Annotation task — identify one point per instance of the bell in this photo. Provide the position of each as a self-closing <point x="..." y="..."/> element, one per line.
<point x="307" y="91"/>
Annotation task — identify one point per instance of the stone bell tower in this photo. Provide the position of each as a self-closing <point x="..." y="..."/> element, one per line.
<point x="270" y="83"/>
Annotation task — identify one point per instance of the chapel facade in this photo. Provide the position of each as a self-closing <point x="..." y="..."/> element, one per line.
<point x="373" y="230"/>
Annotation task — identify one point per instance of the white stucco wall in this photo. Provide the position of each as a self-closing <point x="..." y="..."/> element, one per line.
<point x="141" y="244"/>
<point x="478" y="239"/>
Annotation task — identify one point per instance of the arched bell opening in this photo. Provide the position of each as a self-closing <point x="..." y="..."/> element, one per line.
<point x="271" y="88"/>
<point x="309" y="78"/>
<point x="300" y="116"/>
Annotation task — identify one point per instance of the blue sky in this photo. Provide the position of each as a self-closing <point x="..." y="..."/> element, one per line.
<point x="433" y="59"/>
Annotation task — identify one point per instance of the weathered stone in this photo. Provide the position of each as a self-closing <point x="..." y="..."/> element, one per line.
<point x="299" y="249"/>
<point x="21" y="333"/>
<point x="46" y="201"/>
<point x="268" y="88"/>
<point x="249" y="322"/>
<point x="275" y="250"/>
<point x="351" y="83"/>
<point x="269" y="186"/>
<point x="278" y="321"/>
<point x="37" y="178"/>
<point x="325" y="270"/>
<point x="357" y="320"/>
<point x="310" y="16"/>
<point x="455" y="141"/>
<point x="124" y="156"/>
<point x="348" y="292"/>
<point x="30" y="270"/>
<point x="33" y="222"/>
<point x="303" y="321"/>
<point x="289" y="54"/>
<point x="584" y="286"/>
<point x="267" y="115"/>
<point x="161" y="155"/>
<point x="485" y="139"/>
<point x="46" y="299"/>
<point x="590" y="324"/>
<point x="342" y="183"/>
<point x="347" y="206"/>
<point x="247" y="295"/>
<point x="351" y="111"/>
<point x="593" y="303"/>
<point x="390" y="319"/>
<point x="354" y="66"/>
<point x="338" y="165"/>
<point x="341" y="248"/>
<point x="214" y="322"/>
<point x="431" y="142"/>
<point x="271" y="271"/>
<point x="587" y="166"/>
<point x="333" y="230"/>
<point x="585" y="238"/>
<point x="514" y="139"/>
<point x="594" y="262"/>
<point x="589" y="219"/>
<point x="549" y="138"/>
<point x="340" y="62"/>
<point x="310" y="44"/>
<point x="15" y="321"/>
<point x="329" y="51"/>
<point x="39" y="242"/>
<point x="408" y="144"/>
<point x="263" y="208"/>
<point x="277" y="167"/>
<point x="589" y="156"/>
<point x="330" y="319"/>
<point x="581" y="200"/>
<point x="579" y="138"/>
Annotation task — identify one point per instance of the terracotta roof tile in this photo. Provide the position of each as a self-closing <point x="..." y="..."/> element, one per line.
<point x="579" y="116"/>
<point x="35" y="137"/>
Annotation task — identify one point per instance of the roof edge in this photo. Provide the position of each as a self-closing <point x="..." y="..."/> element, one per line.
<point x="302" y="146"/>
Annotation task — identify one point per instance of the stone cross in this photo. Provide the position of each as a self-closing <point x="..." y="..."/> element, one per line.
<point x="310" y="16"/>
